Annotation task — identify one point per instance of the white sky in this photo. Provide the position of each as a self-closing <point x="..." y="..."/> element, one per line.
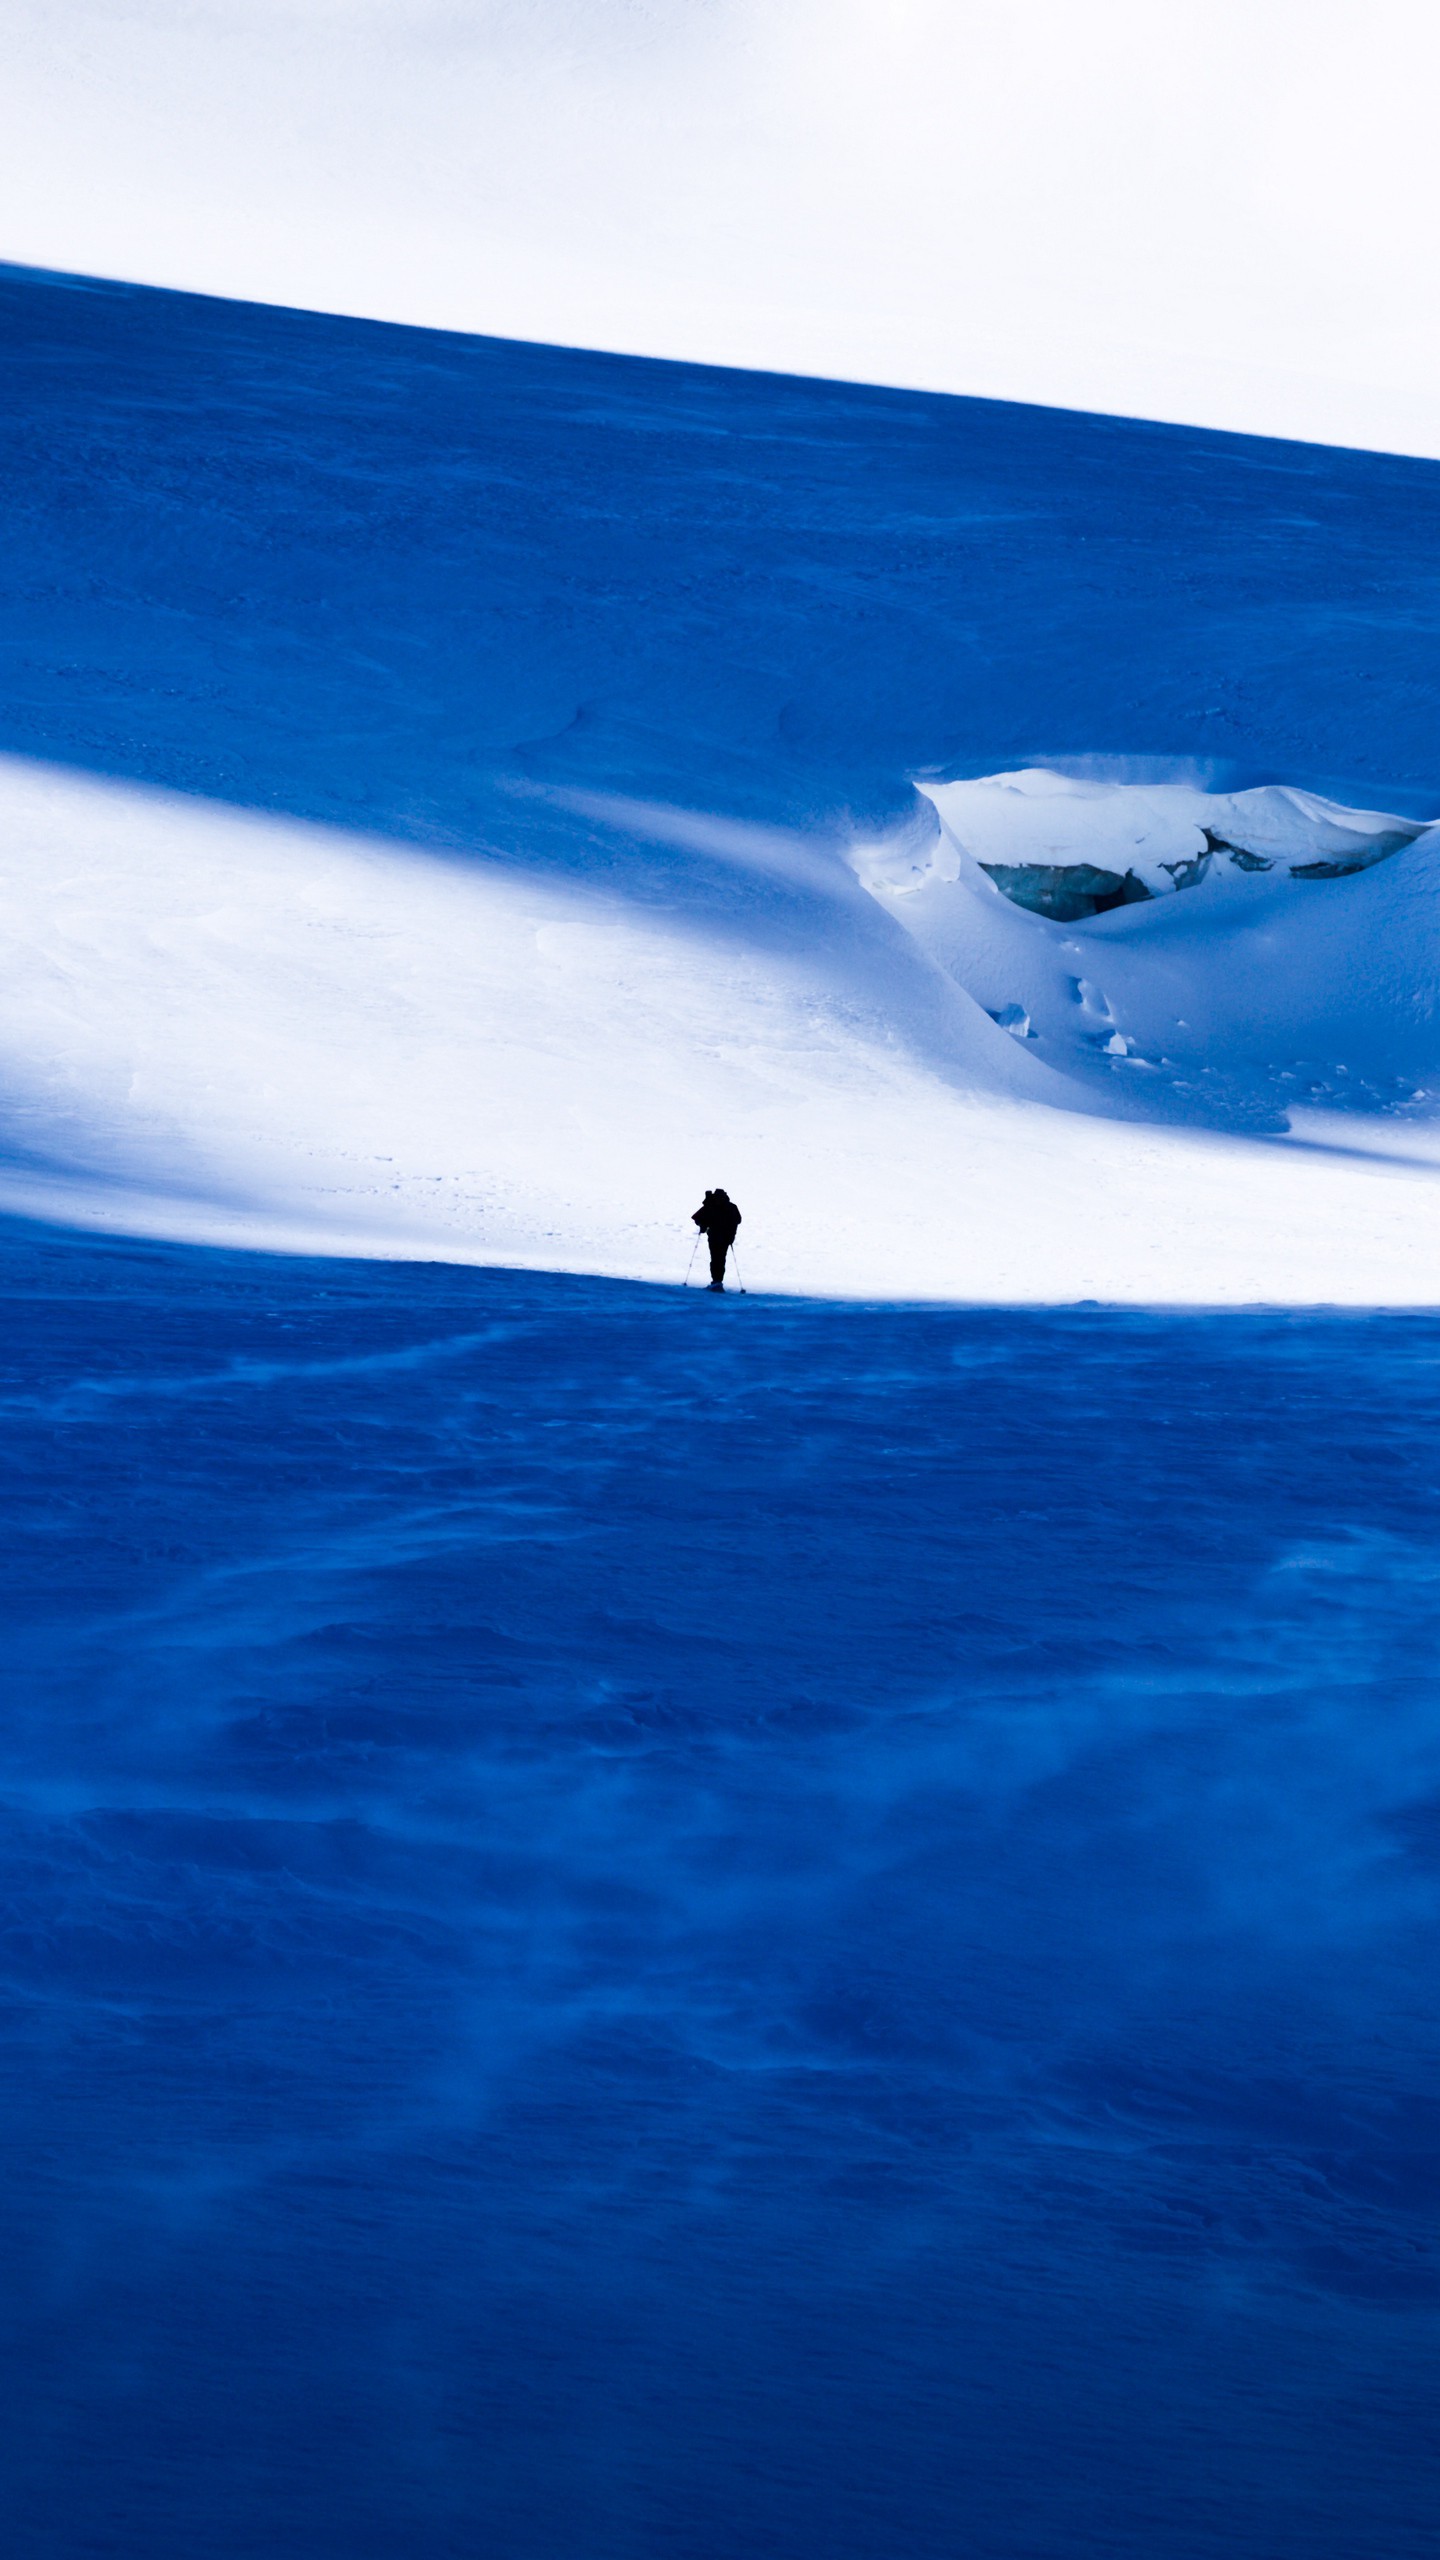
<point x="1216" y="210"/>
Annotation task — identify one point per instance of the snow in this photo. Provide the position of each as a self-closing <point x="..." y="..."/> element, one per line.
<point x="1281" y="950"/>
<point x="649" y="1924"/>
<point x="464" y="800"/>
<point x="1227" y="215"/>
<point x="643" y="1925"/>
<point x="226" y="1028"/>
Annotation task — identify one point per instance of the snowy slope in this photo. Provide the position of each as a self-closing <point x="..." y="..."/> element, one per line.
<point x="643" y="1926"/>
<point x="462" y="799"/>
<point x="1217" y="212"/>
<point x="225" y="1027"/>
<point x="646" y="1928"/>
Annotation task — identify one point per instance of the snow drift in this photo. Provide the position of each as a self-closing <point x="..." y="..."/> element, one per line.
<point x="1223" y="958"/>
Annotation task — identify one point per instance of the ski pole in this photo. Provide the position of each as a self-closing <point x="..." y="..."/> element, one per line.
<point x="735" y="1258"/>
<point x="690" y="1265"/>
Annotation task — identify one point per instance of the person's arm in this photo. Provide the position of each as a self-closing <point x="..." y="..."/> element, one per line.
<point x="700" y="1219"/>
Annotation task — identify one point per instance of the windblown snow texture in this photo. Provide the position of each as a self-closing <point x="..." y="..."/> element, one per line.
<point x="354" y="573"/>
<point x="653" y="1926"/>
<point x="641" y="1925"/>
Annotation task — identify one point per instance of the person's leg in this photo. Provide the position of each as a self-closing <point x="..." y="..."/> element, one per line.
<point x="717" y="1264"/>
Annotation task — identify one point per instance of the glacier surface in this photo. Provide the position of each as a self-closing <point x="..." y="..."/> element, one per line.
<point x="229" y="1028"/>
<point x="458" y="798"/>
<point x="646" y="1925"/>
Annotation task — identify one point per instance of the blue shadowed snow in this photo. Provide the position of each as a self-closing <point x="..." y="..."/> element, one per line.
<point x="374" y="574"/>
<point x="637" y="1928"/>
<point x="653" y="1931"/>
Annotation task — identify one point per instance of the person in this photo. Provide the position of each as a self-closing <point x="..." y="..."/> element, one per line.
<point x="717" y="1219"/>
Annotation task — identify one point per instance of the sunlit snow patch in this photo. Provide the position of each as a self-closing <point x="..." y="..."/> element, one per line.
<point x="242" y="1029"/>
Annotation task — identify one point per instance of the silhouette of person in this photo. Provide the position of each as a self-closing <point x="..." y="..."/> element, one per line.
<point x="717" y="1219"/>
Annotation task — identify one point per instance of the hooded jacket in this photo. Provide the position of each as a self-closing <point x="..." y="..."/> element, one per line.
<point x="718" y="1218"/>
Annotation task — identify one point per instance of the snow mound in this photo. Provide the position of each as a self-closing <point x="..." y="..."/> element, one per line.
<point x="1211" y="957"/>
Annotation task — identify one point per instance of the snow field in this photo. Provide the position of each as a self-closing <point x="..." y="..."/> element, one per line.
<point x="234" y="1029"/>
